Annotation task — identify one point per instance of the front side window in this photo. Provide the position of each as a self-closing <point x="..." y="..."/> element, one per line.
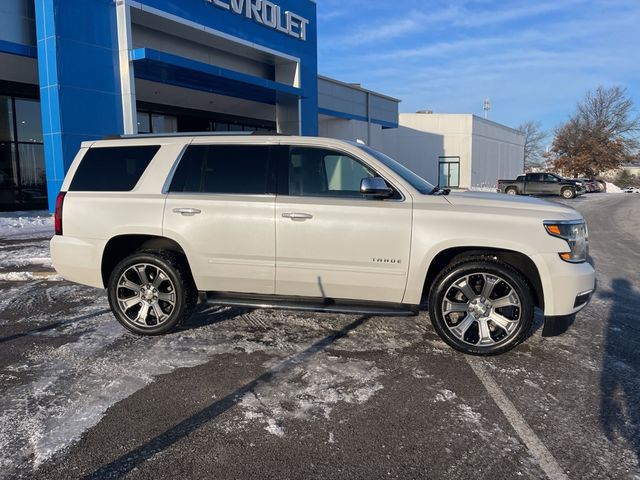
<point x="223" y="169"/>
<point x="319" y="172"/>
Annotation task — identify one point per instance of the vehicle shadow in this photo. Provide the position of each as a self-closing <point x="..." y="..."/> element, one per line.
<point x="205" y="315"/>
<point x="620" y="382"/>
<point x="121" y="466"/>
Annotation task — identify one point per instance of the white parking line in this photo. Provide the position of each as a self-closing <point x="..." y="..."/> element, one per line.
<point x="542" y="455"/>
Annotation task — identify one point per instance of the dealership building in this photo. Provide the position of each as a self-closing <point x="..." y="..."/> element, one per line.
<point x="78" y="70"/>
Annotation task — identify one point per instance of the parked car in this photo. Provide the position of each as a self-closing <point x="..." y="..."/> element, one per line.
<point x="591" y="185"/>
<point x="631" y="190"/>
<point x="602" y="185"/>
<point x="542" y="184"/>
<point x="311" y="224"/>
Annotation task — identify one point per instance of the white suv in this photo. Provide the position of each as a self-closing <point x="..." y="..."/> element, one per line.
<point x="312" y="224"/>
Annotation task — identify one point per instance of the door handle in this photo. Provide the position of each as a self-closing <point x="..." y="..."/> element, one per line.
<point x="187" y="212"/>
<point x="301" y="217"/>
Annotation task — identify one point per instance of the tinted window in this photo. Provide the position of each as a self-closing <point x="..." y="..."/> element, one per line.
<point x="417" y="182"/>
<point x="112" y="169"/>
<point x="318" y="172"/>
<point x="226" y="169"/>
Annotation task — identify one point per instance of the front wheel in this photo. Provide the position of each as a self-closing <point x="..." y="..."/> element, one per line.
<point x="481" y="306"/>
<point x="568" y="193"/>
<point x="150" y="293"/>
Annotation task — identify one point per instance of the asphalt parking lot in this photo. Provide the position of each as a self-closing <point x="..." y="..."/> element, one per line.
<point x="266" y="394"/>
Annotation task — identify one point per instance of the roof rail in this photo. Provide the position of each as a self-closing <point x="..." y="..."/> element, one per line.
<point x="189" y="134"/>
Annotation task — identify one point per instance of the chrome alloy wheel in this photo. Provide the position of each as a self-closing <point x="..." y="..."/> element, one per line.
<point x="482" y="309"/>
<point x="146" y="295"/>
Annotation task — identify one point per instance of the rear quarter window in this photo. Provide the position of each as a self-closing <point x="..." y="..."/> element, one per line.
<point x="112" y="169"/>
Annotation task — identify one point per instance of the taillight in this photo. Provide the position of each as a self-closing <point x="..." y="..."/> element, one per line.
<point x="58" y="215"/>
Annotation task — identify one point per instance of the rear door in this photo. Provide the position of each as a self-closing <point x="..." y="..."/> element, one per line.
<point x="220" y="208"/>
<point x="533" y="184"/>
<point x="331" y="241"/>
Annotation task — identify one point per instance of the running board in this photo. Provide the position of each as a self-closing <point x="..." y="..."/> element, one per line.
<point x="323" y="305"/>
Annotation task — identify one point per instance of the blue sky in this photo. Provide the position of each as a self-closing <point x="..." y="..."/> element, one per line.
<point x="534" y="59"/>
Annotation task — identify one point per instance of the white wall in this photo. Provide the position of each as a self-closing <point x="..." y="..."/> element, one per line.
<point x="351" y="130"/>
<point x="487" y="150"/>
<point x="423" y="138"/>
<point x="497" y="152"/>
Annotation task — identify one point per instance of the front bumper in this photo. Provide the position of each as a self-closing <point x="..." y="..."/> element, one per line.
<point x="563" y="283"/>
<point x="558" y="324"/>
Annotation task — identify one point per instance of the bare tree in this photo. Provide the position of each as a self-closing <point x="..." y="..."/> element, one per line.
<point x="533" y="143"/>
<point x="601" y="134"/>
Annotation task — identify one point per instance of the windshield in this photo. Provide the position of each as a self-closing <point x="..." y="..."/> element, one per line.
<point x="417" y="182"/>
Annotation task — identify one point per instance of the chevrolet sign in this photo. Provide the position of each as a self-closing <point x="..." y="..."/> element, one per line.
<point x="268" y="14"/>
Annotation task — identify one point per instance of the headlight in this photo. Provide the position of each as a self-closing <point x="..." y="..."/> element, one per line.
<point x="575" y="234"/>
<point x="579" y="183"/>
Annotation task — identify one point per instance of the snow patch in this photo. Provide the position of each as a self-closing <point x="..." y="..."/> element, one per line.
<point x="488" y="189"/>
<point x="467" y="414"/>
<point x="28" y="276"/>
<point x="17" y="225"/>
<point x="445" y="396"/>
<point x="311" y="390"/>
<point x="274" y="429"/>
<point x="613" y="188"/>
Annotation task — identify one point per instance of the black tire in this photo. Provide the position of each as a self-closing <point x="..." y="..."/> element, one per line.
<point x="511" y="191"/>
<point x="178" y="288"/>
<point x="568" y="193"/>
<point x="476" y="268"/>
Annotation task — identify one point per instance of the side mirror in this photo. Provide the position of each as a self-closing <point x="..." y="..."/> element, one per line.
<point x="375" y="187"/>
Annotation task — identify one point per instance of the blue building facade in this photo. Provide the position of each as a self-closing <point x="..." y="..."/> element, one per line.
<point x="105" y="67"/>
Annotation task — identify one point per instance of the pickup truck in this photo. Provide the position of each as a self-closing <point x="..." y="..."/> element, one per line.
<point x="542" y="184"/>
<point x="311" y="224"/>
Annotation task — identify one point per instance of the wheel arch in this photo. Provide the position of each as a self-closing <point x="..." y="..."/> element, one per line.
<point x="521" y="262"/>
<point x="122" y="246"/>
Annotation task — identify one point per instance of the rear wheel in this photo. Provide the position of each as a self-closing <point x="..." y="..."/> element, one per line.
<point x="481" y="306"/>
<point x="568" y="193"/>
<point x="511" y="191"/>
<point x="151" y="293"/>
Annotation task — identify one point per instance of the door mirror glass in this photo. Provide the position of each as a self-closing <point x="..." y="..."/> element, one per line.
<point x="375" y="187"/>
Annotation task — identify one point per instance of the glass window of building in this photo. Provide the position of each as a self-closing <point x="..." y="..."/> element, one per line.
<point x="163" y="123"/>
<point x="23" y="183"/>
<point x="28" y="120"/>
<point x="449" y="172"/>
<point x="144" y="122"/>
<point x="6" y="118"/>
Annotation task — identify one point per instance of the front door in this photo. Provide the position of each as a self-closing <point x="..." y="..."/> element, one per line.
<point x="551" y="184"/>
<point x="220" y="209"/>
<point x="331" y="242"/>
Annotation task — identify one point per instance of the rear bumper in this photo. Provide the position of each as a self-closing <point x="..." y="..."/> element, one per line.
<point x="78" y="260"/>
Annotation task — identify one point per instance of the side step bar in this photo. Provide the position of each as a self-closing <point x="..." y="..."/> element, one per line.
<point x="326" y="305"/>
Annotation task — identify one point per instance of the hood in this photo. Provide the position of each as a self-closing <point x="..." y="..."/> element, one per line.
<point x="508" y="204"/>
